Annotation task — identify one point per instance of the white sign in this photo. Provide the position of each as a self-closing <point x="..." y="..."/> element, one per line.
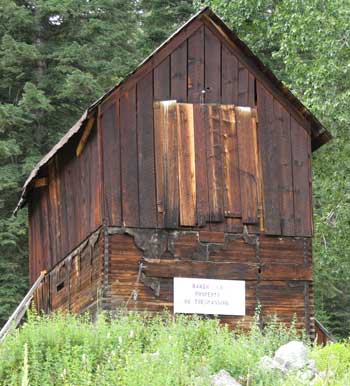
<point x="209" y="296"/>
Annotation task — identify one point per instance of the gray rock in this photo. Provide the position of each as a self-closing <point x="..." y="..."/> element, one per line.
<point x="268" y="364"/>
<point x="292" y="356"/>
<point x="223" y="378"/>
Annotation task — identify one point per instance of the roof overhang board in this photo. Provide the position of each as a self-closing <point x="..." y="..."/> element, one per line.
<point x="319" y="135"/>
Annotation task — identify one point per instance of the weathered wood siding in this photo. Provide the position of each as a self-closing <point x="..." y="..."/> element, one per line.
<point x="64" y="212"/>
<point x="196" y="163"/>
<point x="76" y="283"/>
<point x="277" y="271"/>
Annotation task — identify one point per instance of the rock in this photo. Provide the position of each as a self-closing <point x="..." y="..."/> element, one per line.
<point x="268" y="364"/>
<point x="292" y="356"/>
<point x="223" y="378"/>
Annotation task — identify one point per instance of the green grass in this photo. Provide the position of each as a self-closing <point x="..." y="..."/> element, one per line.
<point x="134" y="349"/>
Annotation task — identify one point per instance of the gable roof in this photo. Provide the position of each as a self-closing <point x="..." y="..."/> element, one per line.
<point x="319" y="135"/>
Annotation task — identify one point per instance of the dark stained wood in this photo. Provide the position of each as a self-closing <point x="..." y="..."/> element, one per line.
<point x="111" y="162"/>
<point x="248" y="164"/>
<point x="178" y="63"/>
<point x="54" y="206"/>
<point x="202" y="269"/>
<point x="145" y="137"/>
<point x="282" y="118"/>
<point x="269" y="154"/>
<point x="202" y="199"/>
<point x="214" y="163"/>
<point x="161" y="80"/>
<point x="243" y="85"/>
<point x="211" y="237"/>
<point x="232" y="193"/>
<point x="167" y="50"/>
<point x="186" y="164"/>
<point x="251" y="90"/>
<point x="160" y="161"/>
<point x="301" y="179"/>
<point x="259" y="75"/>
<point x="130" y="198"/>
<point x="212" y="67"/>
<point x="196" y="66"/>
<point x="229" y="77"/>
<point x="171" y="217"/>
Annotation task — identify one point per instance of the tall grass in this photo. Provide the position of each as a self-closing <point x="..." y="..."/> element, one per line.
<point x="135" y="349"/>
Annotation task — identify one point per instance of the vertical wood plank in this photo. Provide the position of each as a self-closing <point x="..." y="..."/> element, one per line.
<point x="65" y="208"/>
<point x="46" y="260"/>
<point x="94" y="176"/>
<point x="251" y="90"/>
<point x="282" y="118"/>
<point x="171" y="218"/>
<point x="200" y="134"/>
<point x="214" y="164"/>
<point x="248" y="164"/>
<point x="232" y="192"/>
<point x="196" y="66"/>
<point x="186" y="164"/>
<point x="212" y="67"/>
<point x="130" y="194"/>
<point x="243" y="85"/>
<point x="166" y="164"/>
<point x="161" y="82"/>
<point x="54" y="210"/>
<point x="159" y="143"/>
<point x="179" y="73"/>
<point x="269" y="154"/>
<point x="229" y="77"/>
<point x="109" y="124"/>
<point x="301" y="179"/>
<point x="147" y="194"/>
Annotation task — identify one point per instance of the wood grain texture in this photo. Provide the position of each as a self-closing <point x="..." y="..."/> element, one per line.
<point x="232" y="192"/>
<point x="145" y="137"/>
<point x="110" y="128"/>
<point x="166" y="141"/>
<point x="269" y="153"/>
<point x="286" y="173"/>
<point x="202" y="189"/>
<point x="161" y="80"/>
<point x="212" y="67"/>
<point x="248" y="164"/>
<point x="212" y="120"/>
<point x="186" y="164"/>
<point x="128" y="130"/>
<point x="229" y="77"/>
<point x="195" y="81"/>
<point x="178" y="63"/>
<point x="301" y="180"/>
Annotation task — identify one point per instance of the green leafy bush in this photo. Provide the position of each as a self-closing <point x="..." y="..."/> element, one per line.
<point x="135" y="349"/>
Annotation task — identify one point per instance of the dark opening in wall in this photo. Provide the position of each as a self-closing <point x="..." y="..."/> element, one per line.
<point x="60" y="286"/>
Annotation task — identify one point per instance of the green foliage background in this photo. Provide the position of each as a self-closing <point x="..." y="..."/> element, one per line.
<point x="56" y="57"/>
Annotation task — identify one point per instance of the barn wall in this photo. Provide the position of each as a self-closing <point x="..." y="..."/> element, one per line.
<point x="64" y="212"/>
<point x="203" y="61"/>
<point x="76" y="283"/>
<point x="277" y="271"/>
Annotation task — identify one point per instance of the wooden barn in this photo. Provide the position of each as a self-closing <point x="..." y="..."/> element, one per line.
<point x="196" y="166"/>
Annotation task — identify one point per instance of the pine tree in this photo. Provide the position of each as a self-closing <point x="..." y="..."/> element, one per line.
<point x="56" y="58"/>
<point x="159" y="18"/>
